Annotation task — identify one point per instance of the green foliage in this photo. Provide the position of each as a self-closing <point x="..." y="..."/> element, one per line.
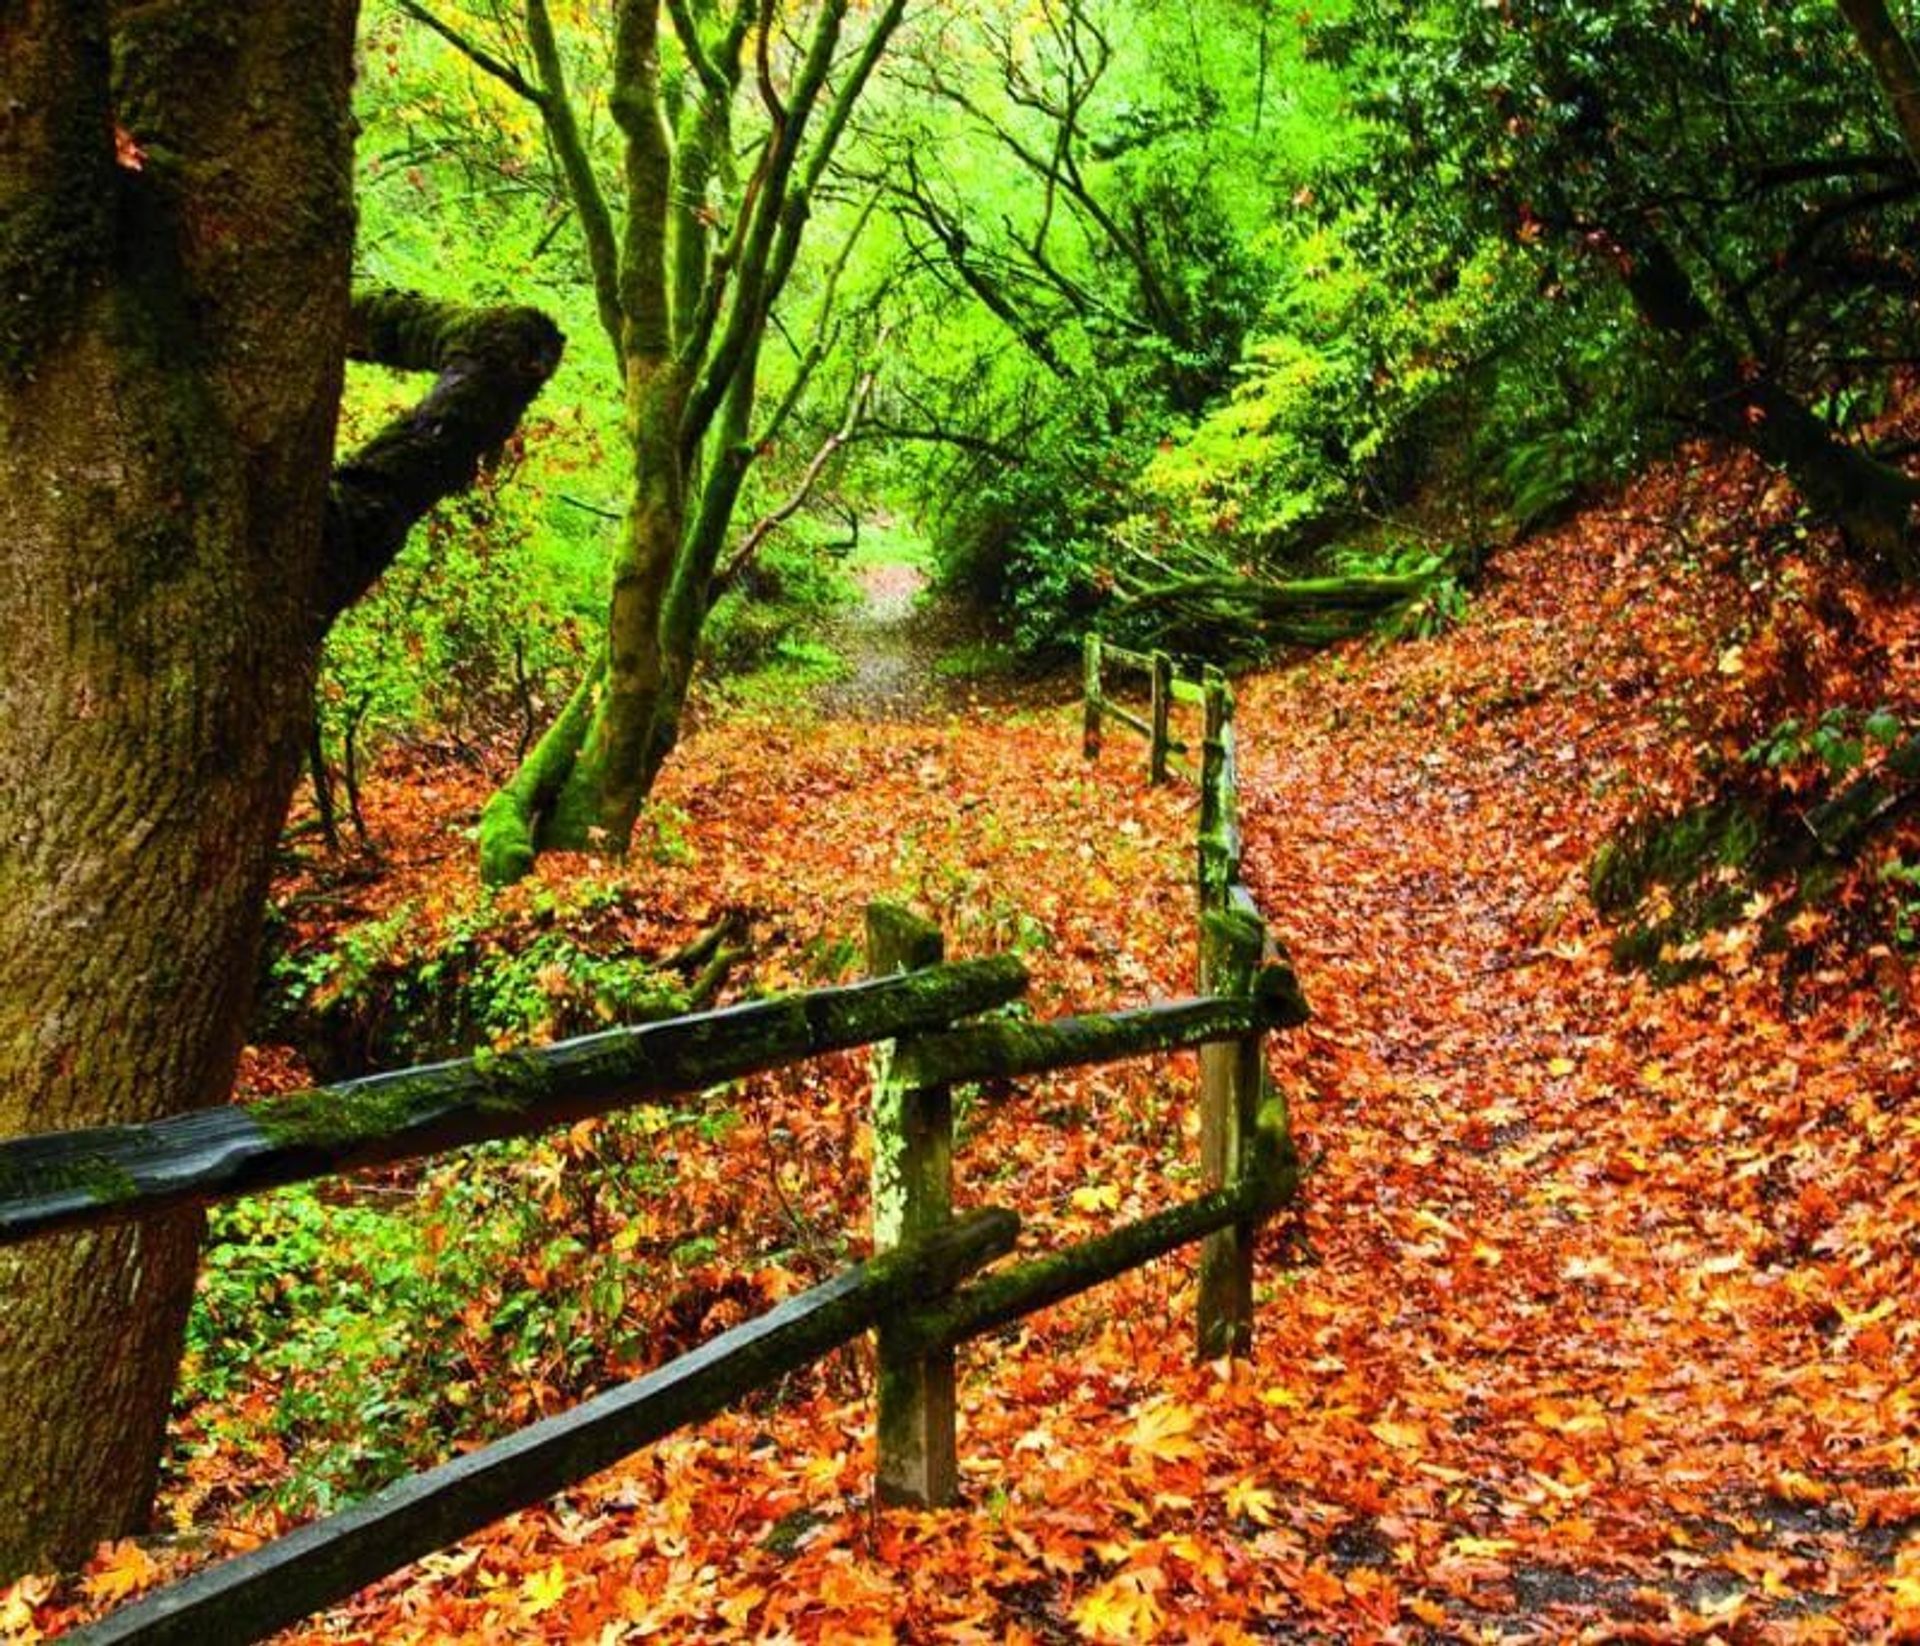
<point x="796" y="584"/>
<point x="1837" y="743"/>
<point x="1903" y="878"/>
<point x="1034" y="541"/>
<point x="1581" y="142"/>
<point x="387" y="1324"/>
<point x="403" y="988"/>
<point x="463" y="636"/>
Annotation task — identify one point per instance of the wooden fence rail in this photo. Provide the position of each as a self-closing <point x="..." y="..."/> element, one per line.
<point x="1245" y="1130"/>
<point x="1165" y="689"/>
<point x="110" y="1174"/>
<point x="1218" y="775"/>
<point x="325" y="1561"/>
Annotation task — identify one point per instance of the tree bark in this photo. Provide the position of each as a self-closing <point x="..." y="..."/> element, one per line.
<point x="166" y="426"/>
<point x="173" y="332"/>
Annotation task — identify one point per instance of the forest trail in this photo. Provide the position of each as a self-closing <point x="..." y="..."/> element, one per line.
<point x="904" y="644"/>
<point x="1606" y="1274"/>
<point x="890" y="640"/>
<point x="1595" y="1322"/>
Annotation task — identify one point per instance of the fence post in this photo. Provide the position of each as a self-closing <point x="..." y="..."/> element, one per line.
<point x="1232" y="1074"/>
<point x="1218" y="866"/>
<point x="918" y="1450"/>
<point x="1090" y="687"/>
<point x="1162" y="709"/>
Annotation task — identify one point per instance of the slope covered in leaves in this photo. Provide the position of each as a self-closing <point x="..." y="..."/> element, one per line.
<point x="1596" y="1322"/>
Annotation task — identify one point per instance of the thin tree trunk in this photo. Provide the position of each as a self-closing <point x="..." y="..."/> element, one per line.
<point x="1895" y="65"/>
<point x="693" y="304"/>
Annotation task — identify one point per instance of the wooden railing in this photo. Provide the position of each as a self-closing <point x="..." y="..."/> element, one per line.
<point x="1164" y="690"/>
<point x="1218" y="776"/>
<point x="916" y="1289"/>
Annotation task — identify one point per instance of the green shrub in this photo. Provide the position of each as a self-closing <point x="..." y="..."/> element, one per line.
<point x="365" y="1335"/>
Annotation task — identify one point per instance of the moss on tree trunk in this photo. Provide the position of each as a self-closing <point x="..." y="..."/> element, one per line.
<point x="174" y="543"/>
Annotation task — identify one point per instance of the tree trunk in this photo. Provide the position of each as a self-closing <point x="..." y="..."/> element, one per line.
<point x="174" y="544"/>
<point x="612" y="773"/>
<point x="166" y="433"/>
<point x="690" y="307"/>
<point x="1872" y="502"/>
<point x="1894" y="64"/>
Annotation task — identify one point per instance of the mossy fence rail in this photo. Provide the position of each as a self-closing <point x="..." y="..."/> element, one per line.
<point x="922" y="1291"/>
<point x="1218" y="774"/>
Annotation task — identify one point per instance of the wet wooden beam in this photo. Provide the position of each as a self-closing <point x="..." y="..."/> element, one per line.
<point x="253" y="1596"/>
<point x="68" y="1180"/>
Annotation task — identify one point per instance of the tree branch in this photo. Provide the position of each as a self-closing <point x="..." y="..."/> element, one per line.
<point x="583" y="184"/>
<point x="490" y="365"/>
<point x="686" y="28"/>
<point x="771" y="522"/>
<point x="825" y="328"/>
<point x="773" y="205"/>
<point x="1894" y="64"/>
<point x="473" y="52"/>
<point x="636" y="101"/>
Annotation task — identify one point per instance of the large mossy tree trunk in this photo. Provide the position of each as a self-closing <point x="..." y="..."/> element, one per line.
<point x="688" y="274"/>
<point x="174" y="321"/>
<point x="166" y="428"/>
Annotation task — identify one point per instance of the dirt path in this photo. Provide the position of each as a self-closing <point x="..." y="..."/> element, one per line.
<point x="1613" y="1343"/>
<point x="894" y="641"/>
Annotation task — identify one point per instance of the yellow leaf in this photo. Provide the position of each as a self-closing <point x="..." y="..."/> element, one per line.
<point x="1906" y="1593"/>
<point x="1253" y="1502"/>
<point x="542" y="1591"/>
<point x="17" y="1627"/>
<point x="1561" y="1067"/>
<point x="737" y="1607"/>
<point x="1164" y="1430"/>
<point x="125" y="1569"/>
<point x="1096" y="1197"/>
<point x="1794" y="1487"/>
<point x="1121" y="1609"/>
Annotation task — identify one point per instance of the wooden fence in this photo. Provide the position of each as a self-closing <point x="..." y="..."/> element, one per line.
<point x="1218" y="775"/>
<point x="922" y="1290"/>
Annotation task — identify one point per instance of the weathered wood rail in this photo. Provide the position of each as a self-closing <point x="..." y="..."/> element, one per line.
<point x="1218" y="776"/>
<point x="1240" y="1115"/>
<point x="1164" y="689"/>
<point x="916" y="1291"/>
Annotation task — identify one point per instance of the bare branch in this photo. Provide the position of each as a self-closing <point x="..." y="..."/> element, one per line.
<point x="473" y="51"/>
<point x="831" y="448"/>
